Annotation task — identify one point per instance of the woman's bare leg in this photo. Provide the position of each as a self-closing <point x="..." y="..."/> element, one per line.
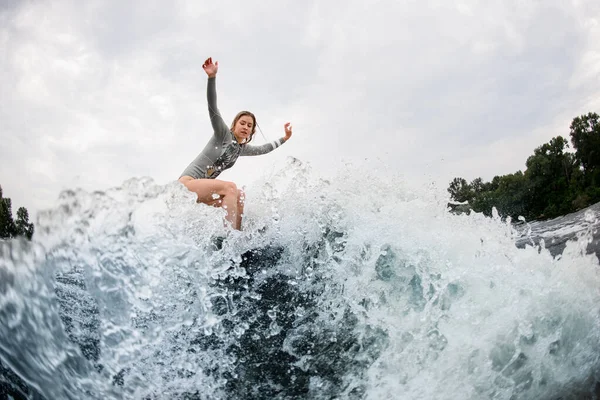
<point x="240" y="208"/>
<point x="208" y="189"/>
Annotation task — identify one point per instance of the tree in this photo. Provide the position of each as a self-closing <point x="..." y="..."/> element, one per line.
<point x="556" y="181"/>
<point x="549" y="172"/>
<point x="8" y="227"/>
<point x="460" y="190"/>
<point x="505" y="192"/>
<point x="510" y="195"/>
<point x="477" y="186"/>
<point x="23" y="226"/>
<point x="585" y="137"/>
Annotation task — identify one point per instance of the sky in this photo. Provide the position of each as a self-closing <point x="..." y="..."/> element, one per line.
<point x="96" y="92"/>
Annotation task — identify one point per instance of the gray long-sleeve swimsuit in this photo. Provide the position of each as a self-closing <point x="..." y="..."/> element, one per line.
<point x="222" y="150"/>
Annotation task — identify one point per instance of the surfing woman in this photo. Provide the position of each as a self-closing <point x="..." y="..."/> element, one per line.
<point x="221" y="152"/>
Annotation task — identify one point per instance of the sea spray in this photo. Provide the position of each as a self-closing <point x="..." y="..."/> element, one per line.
<point x="353" y="287"/>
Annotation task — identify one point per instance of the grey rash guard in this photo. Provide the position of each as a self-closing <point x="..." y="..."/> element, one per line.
<point x="222" y="150"/>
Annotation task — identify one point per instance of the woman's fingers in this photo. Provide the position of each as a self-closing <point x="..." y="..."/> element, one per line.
<point x="288" y="130"/>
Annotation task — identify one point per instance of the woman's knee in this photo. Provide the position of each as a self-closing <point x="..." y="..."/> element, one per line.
<point x="230" y="189"/>
<point x="185" y="181"/>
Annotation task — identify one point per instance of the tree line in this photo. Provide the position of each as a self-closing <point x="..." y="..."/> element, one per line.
<point x="556" y="181"/>
<point x="10" y="228"/>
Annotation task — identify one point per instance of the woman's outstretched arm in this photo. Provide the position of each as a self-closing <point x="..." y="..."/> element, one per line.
<point x="267" y="148"/>
<point x="219" y="126"/>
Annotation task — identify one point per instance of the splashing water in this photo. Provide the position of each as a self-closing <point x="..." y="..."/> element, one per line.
<point x="350" y="288"/>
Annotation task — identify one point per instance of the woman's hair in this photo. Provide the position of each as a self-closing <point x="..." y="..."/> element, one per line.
<point x="240" y="115"/>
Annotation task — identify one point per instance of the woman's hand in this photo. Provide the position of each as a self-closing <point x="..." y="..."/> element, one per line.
<point x="210" y="68"/>
<point x="288" y="130"/>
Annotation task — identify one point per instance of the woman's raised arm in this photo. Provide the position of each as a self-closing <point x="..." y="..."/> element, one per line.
<point x="219" y="126"/>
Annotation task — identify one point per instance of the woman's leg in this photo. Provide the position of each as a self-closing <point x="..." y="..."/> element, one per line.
<point x="240" y="207"/>
<point x="226" y="192"/>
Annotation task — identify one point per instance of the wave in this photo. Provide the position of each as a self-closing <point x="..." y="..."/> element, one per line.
<point x="354" y="287"/>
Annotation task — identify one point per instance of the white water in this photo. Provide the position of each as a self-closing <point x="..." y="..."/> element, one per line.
<point x="405" y="300"/>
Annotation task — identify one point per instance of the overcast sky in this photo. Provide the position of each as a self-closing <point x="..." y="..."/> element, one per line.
<point x="95" y="92"/>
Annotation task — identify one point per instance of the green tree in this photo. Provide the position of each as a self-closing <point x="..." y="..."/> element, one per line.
<point x="505" y="192"/>
<point x="477" y="186"/>
<point x="585" y="137"/>
<point x="556" y="181"/>
<point x="460" y="190"/>
<point x="22" y="225"/>
<point x="493" y="185"/>
<point x="510" y="195"/>
<point x="8" y="227"/>
<point x="549" y="172"/>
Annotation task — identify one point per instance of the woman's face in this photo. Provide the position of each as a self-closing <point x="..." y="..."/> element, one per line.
<point x="243" y="128"/>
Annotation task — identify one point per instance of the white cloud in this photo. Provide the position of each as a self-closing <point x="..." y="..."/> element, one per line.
<point x="95" y="92"/>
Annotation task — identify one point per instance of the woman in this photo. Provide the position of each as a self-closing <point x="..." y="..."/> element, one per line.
<point x="221" y="152"/>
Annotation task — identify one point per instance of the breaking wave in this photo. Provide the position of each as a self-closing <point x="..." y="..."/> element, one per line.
<point x="354" y="287"/>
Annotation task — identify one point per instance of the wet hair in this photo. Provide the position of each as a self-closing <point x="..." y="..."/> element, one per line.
<point x="240" y="115"/>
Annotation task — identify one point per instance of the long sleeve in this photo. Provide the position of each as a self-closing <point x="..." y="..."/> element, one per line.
<point x="262" y="149"/>
<point x="219" y="127"/>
